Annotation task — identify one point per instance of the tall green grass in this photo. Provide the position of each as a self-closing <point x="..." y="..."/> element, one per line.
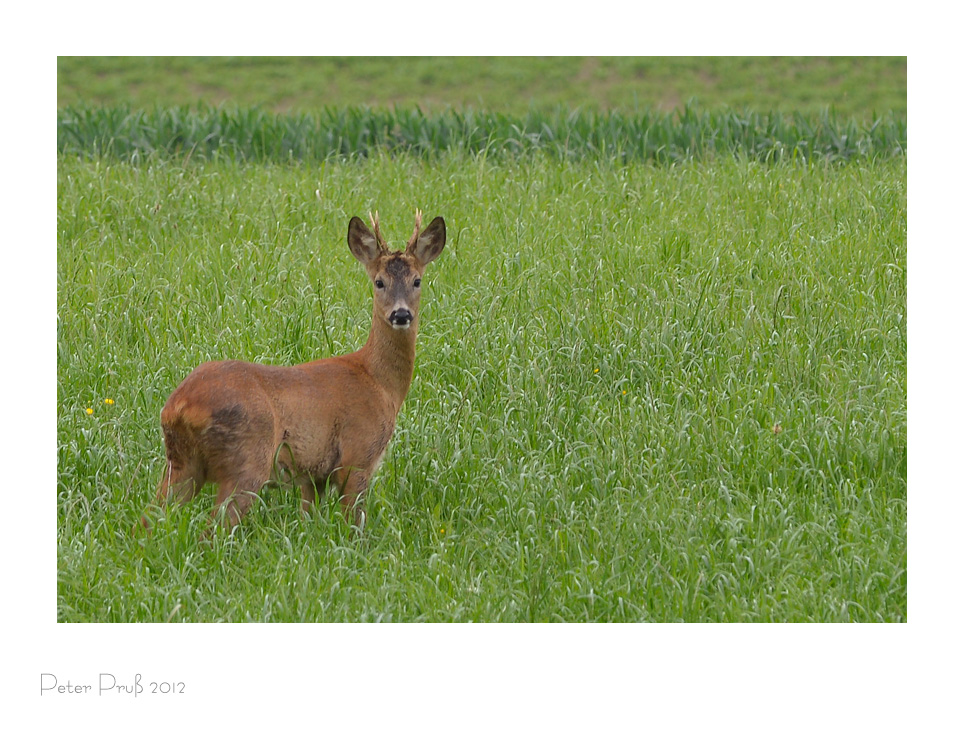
<point x="642" y="392"/>
<point x="256" y="135"/>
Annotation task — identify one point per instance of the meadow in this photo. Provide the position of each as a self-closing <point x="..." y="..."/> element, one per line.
<point x="643" y="392"/>
<point x="855" y="87"/>
<point x="662" y="362"/>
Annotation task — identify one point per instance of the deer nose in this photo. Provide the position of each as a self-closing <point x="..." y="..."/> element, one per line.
<point x="400" y="318"/>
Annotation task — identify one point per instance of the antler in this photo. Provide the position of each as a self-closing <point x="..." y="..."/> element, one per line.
<point x="418" y="228"/>
<point x="382" y="246"/>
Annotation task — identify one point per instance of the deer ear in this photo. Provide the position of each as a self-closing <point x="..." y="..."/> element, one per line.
<point x="430" y="242"/>
<point x="361" y="241"/>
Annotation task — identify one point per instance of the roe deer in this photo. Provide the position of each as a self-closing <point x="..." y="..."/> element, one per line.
<point x="319" y="424"/>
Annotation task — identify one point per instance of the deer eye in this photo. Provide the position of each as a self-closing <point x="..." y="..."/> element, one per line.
<point x="379" y="284"/>
<point x="418" y="282"/>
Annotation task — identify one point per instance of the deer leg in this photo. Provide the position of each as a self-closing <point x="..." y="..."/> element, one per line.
<point x="309" y="493"/>
<point x="180" y="483"/>
<point x="353" y="489"/>
<point x="234" y="499"/>
<point x="233" y="502"/>
<point x="240" y="472"/>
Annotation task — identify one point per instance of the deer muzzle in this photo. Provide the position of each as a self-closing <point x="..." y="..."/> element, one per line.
<point x="401" y="319"/>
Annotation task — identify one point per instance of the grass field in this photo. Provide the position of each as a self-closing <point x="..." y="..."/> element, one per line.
<point x="661" y="371"/>
<point x="853" y="86"/>
<point x="690" y="133"/>
<point x="642" y="392"/>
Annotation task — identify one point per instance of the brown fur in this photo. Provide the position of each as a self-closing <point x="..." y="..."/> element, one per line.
<point x="321" y="424"/>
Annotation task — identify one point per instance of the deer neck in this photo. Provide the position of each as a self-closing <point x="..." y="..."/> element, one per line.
<point x="389" y="356"/>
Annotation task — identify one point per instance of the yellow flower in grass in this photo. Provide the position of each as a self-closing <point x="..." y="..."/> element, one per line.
<point x="89" y="410"/>
<point x="108" y="401"/>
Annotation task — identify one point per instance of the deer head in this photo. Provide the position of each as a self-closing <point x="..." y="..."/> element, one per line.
<point x="396" y="275"/>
